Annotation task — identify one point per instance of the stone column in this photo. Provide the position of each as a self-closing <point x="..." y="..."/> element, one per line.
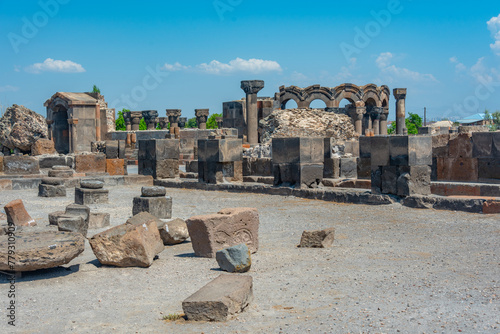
<point x="150" y="117"/>
<point x="128" y="120"/>
<point x="383" y="121"/>
<point x="219" y="121"/>
<point x="400" y="95"/>
<point x="173" y="117"/>
<point x="163" y="121"/>
<point x="251" y="88"/>
<point x="182" y="122"/>
<point x="136" y="119"/>
<point x="375" y="116"/>
<point x="98" y="122"/>
<point x="51" y="129"/>
<point x="201" y="117"/>
<point x="358" y="120"/>
<point x="72" y="134"/>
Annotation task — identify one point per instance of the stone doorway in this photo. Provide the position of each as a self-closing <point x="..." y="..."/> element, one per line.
<point x="61" y="130"/>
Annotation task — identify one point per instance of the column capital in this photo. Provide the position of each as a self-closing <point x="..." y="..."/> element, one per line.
<point x="202" y="112"/>
<point x="399" y="93"/>
<point x="150" y="115"/>
<point x="174" y="112"/>
<point x="252" y="86"/>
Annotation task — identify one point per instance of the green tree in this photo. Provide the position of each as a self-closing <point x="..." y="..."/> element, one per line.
<point x="212" y="122"/>
<point x="120" y="121"/>
<point x="143" y="125"/>
<point x="191" y="123"/>
<point x="495" y="118"/>
<point x="96" y="89"/>
<point x="413" y="122"/>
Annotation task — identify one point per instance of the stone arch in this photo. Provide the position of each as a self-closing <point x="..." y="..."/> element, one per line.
<point x="349" y="92"/>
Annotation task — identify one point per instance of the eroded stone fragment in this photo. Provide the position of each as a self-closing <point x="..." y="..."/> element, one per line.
<point x="318" y="239"/>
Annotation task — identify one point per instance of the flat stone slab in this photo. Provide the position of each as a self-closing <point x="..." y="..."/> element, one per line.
<point x="220" y="299"/>
<point x="61" y="167"/>
<point x="40" y="250"/>
<point x="53" y="181"/>
<point x="155" y="191"/>
<point x="318" y="239"/>
<point x="91" y="184"/>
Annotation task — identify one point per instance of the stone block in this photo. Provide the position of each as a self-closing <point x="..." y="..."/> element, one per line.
<point x="5" y="184"/>
<point x="365" y="147"/>
<point x="491" y="207"/>
<point x="53" y="181"/>
<point x="220" y="150"/>
<point x="389" y="179"/>
<point x="298" y="150"/>
<point x="235" y="259"/>
<point x="379" y="151"/>
<point x="414" y="180"/>
<point x="1" y="164"/>
<point x="99" y="220"/>
<point x="91" y="184"/>
<point x="20" y="165"/>
<point x="364" y="168"/>
<point x="257" y="166"/>
<point x="410" y="150"/>
<point x="112" y="151"/>
<point x="331" y="168"/>
<point x="352" y="147"/>
<point x="489" y="168"/>
<point x="376" y="180"/>
<point x="158" y="149"/>
<point x="17" y="214"/>
<point x="220" y="299"/>
<point x="47" y="190"/>
<point x="91" y="196"/>
<point x="43" y="146"/>
<point x="121" y="149"/>
<point x="73" y="224"/>
<point x="173" y="232"/>
<point x="482" y="144"/>
<point x="348" y="168"/>
<point x="54" y="216"/>
<point x="160" y="207"/>
<point x="41" y="250"/>
<point x="496" y="144"/>
<point x="229" y="227"/>
<point x="154" y="191"/>
<point x="116" y="167"/>
<point x="457" y="169"/>
<point x="133" y="244"/>
<point x="61" y="173"/>
<point x="55" y="160"/>
<point x="220" y="172"/>
<point x="318" y="239"/>
<point x="78" y="210"/>
<point x="192" y="166"/>
<point x="461" y="146"/>
<point x="167" y="169"/>
<point x="298" y="174"/>
<point x="90" y="163"/>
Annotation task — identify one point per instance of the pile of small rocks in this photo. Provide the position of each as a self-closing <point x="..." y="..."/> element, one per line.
<point x="306" y="123"/>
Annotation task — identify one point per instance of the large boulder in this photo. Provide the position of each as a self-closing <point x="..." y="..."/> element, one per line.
<point x="21" y="127"/>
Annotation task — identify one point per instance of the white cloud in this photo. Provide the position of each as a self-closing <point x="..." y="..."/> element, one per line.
<point x="459" y="67"/>
<point x="51" y="65"/>
<point x="8" y="88"/>
<point x="234" y="66"/>
<point x="384" y="61"/>
<point x="494" y="27"/>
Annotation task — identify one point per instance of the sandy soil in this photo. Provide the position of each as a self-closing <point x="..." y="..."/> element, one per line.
<point x="392" y="269"/>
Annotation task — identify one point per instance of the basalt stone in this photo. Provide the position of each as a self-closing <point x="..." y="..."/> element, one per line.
<point x="91" y="196"/>
<point x="160" y="207"/>
<point x="155" y="191"/>
<point x="99" y="220"/>
<point x="318" y="239"/>
<point x="236" y="259"/>
<point x="47" y="190"/>
<point x="61" y="173"/>
<point x="173" y="232"/>
<point x="61" y="167"/>
<point x="22" y="165"/>
<point x="78" y="210"/>
<point x="73" y="224"/>
<point x="91" y="184"/>
<point x="220" y="299"/>
<point x="41" y="250"/>
<point x="53" y="181"/>
<point x="54" y="216"/>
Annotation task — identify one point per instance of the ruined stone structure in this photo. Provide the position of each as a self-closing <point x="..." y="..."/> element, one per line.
<point x="400" y="95"/>
<point x="368" y="108"/>
<point x="77" y="119"/>
<point x="251" y="88"/>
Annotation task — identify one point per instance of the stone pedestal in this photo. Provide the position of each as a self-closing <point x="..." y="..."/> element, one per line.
<point x="201" y="117"/>
<point x="159" y="158"/>
<point x="153" y="201"/>
<point x="150" y="117"/>
<point x="400" y="95"/>
<point x="135" y="120"/>
<point x="220" y="160"/>
<point x="52" y="187"/>
<point x="91" y="192"/>
<point x="251" y="88"/>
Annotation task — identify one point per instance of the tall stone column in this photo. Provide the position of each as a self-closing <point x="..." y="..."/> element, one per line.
<point x="136" y="119"/>
<point x="400" y="95"/>
<point x="201" y="117"/>
<point x="150" y="117"/>
<point x="375" y="116"/>
<point x="383" y="121"/>
<point x="173" y="117"/>
<point x="357" y="114"/>
<point x="251" y="88"/>
<point x="128" y="120"/>
<point x="72" y="134"/>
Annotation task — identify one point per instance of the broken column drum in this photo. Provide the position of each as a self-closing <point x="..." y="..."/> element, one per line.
<point x="251" y="88"/>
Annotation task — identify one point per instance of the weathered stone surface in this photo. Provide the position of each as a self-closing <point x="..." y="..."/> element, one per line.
<point x="116" y="167"/>
<point x="318" y="239"/>
<point x="61" y="173"/>
<point x="21" y="165"/>
<point x="298" y="150"/>
<point x="298" y="174"/>
<point x="489" y="168"/>
<point x="1" y="163"/>
<point x="90" y="163"/>
<point x="457" y="169"/>
<point x="461" y="146"/>
<point x="47" y="190"/>
<point x="53" y="216"/>
<point x="99" y="220"/>
<point x="20" y="128"/>
<point x="17" y="214"/>
<point x="154" y="191"/>
<point x="50" y="161"/>
<point x="236" y="259"/>
<point x="229" y="227"/>
<point x="491" y="207"/>
<point x="43" y="146"/>
<point x="160" y="207"/>
<point x="73" y="224"/>
<point x="173" y="232"/>
<point x="482" y="143"/>
<point x="414" y="180"/>
<point x="53" y="181"/>
<point x="78" y="210"/>
<point x="348" y="168"/>
<point x="61" y="167"/>
<point x="220" y="299"/>
<point x="91" y="196"/>
<point x="41" y="250"/>
<point x="331" y="168"/>
<point x="133" y="244"/>
<point x="91" y="184"/>
<point x="112" y="151"/>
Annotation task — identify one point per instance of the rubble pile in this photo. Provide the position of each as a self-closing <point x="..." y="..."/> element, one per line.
<point x="306" y="123"/>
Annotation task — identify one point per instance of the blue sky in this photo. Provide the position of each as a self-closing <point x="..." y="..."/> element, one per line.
<point x="193" y="54"/>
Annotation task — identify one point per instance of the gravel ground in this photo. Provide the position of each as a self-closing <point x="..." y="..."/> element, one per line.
<point x="392" y="269"/>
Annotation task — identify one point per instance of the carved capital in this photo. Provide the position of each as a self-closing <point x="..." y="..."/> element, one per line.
<point x="252" y="86"/>
<point x="174" y="112"/>
<point x="150" y="115"/>
<point x="399" y="93"/>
